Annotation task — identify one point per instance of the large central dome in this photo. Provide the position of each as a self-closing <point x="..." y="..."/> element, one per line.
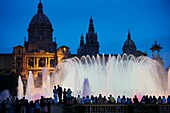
<point x="40" y="32"/>
<point x="40" y="20"/>
<point x="129" y="41"/>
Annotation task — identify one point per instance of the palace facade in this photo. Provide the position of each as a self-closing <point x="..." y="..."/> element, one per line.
<point x="40" y="50"/>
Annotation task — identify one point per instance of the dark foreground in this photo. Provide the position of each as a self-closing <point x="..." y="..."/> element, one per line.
<point x="110" y="108"/>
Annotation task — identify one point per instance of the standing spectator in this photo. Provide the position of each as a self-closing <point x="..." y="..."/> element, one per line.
<point x="94" y="101"/>
<point x="55" y="95"/>
<point x="143" y="100"/>
<point x="83" y="100"/>
<point x="168" y="99"/>
<point x="111" y="100"/>
<point x="51" y="100"/>
<point x="123" y="99"/>
<point x="69" y="97"/>
<point x="24" y="104"/>
<point x="74" y="100"/>
<point x="17" y="106"/>
<point x="45" y="106"/>
<point x="100" y="99"/>
<point x="64" y="96"/>
<point x="32" y="106"/>
<point x="135" y="100"/>
<point x="97" y="101"/>
<point x="87" y="100"/>
<point x="105" y="100"/>
<point x="154" y="100"/>
<point x="42" y="104"/>
<point x="79" y="100"/>
<point x="159" y="100"/>
<point x="147" y="101"/>
<point x="37" y="106"/>
<point x="12" y="101"/>
<point x="118" y="100"/>
<point x="163" y="100"/>
<point x="129" y="101"/>
<point x="150" y="100"/>
<point x="8" y="105"/>
<point x="60" y="92"/>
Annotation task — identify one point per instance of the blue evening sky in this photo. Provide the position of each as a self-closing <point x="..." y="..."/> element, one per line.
<point x="148" y="20"/>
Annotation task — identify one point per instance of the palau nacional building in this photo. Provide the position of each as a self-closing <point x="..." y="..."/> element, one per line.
<point x="40" y="48"/>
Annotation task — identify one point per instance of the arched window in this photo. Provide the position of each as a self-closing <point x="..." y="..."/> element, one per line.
<point x="52" y="63"/>
<point x="31" y="62"/>
<point x="41" y="62"/>
<point x="18" y="61"/>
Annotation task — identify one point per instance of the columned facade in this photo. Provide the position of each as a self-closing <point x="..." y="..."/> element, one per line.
<point x="36" y="62"/>
<point x="39" y="50"/>
<point x="24" y="62"/>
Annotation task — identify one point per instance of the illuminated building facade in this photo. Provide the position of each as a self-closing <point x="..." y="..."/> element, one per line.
<point x="40" y="49"/>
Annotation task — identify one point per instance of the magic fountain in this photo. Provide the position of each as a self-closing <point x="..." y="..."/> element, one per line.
<point x="121" y="75"/>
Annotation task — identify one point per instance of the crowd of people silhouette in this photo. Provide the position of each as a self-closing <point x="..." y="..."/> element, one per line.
<point x="60" y="96"/>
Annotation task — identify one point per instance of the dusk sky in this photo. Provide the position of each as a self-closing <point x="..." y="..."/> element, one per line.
<point x="148" y="20"/>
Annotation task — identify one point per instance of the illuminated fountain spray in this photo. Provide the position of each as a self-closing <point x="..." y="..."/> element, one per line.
<point x="169" y="80"/>
<point x="46" y="87"/>
<point x="86" y="88"/>
<point x="20" y="88"/>
<point x="121" y="75"/>
<point x="30" y="86"/>
<point x="33" y="93"/>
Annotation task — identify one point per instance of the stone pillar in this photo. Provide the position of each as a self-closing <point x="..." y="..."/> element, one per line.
<point x="27" y="62"/>
<point x="46" y="61"/>
<point x="158" y="53"/>
<point x="34" y="63"/>
<point x="49" y="62"/>
<point x="37" y="62"/>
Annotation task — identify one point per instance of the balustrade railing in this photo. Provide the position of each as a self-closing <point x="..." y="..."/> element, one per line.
<point x="110" y="108"/>
<point x="164" y="108"/>
<point x="122" y="108"/>
<point x="104" y="108"/>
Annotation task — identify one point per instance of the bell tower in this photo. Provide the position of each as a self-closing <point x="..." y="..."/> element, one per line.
<point x="156" y="48"/>
<point x="91" y="44"/>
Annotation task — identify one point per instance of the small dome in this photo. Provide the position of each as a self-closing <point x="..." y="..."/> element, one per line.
<point x="129" y="42"/>
<point x="129" y="46"/>
<point x="155" y="46"/>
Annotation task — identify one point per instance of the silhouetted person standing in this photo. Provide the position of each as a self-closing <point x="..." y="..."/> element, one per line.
<point x="135" y="100"/>
<point x="55" y="95"/>
<point x="59" y="90"/>
<point x="64" y="96"/>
